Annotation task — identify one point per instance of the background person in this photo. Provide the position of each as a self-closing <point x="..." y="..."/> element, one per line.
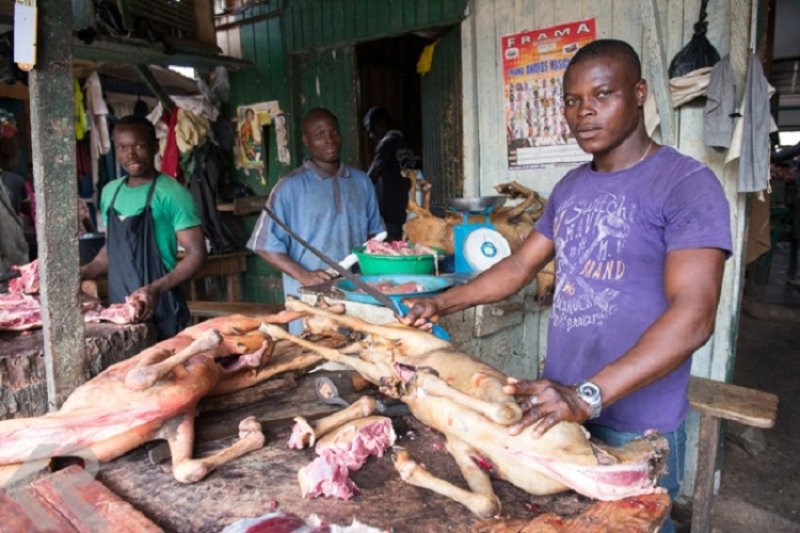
<point x="392" y="154"/>
<point x="327" y="203"/>
<point x="147" y="216"/>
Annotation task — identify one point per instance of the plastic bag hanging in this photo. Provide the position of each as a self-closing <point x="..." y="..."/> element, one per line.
<point x="698" y="53"/>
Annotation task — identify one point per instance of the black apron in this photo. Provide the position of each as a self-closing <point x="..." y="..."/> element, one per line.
<point x="135" y="261"/>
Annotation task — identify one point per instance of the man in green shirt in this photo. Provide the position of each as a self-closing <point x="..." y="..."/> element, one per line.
<point x="147" y="216"/>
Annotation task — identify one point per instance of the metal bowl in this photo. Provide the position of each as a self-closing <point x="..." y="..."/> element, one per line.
<point x="476" y="205"/>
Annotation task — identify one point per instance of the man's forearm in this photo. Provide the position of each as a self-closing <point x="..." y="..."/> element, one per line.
<point x="184" y="271"/>
<point x="96" y="267"/>
<point x="284" y="264"/>
<point x="499" y="282"/>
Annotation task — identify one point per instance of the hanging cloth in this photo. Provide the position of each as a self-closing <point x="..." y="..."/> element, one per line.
<point x="171" y="158"/>
<point x="756" y="124"/>
<point x="98" y="113"/>
<point x="81" y="123"/>
<point x="135" y="261"/>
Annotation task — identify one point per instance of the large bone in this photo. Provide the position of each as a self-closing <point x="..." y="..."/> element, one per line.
<point x="307" y="434"/>
<point x="415" y="474"/>
<point x="368" y="370"/>
<point x="251" y="438"/>
<point x="415" y="342"/>
<point x="504" y="414"/>
<point x="144" y="377"/>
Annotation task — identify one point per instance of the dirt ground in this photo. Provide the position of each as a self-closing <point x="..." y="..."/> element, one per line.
<point x="760" y="485"/>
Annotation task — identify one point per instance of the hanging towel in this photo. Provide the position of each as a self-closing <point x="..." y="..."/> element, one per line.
<point x="191" y="130"/>
<point x="756" y="124"/>
<point x="98" y="113"/>
<point x="170" y="162"/>
<point x="720" y="106"/>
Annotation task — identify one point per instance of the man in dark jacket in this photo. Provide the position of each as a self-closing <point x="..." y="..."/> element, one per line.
<point x="392" y="154"/>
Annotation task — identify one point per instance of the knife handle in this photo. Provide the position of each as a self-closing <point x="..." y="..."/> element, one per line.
<point x="437" y="330"/>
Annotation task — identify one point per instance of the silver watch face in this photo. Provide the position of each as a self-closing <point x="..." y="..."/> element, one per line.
<point x="590" y="391"/>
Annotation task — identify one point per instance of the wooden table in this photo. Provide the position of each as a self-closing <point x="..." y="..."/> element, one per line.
<point x="22" y="374"/>
<point x="263" y="480"/>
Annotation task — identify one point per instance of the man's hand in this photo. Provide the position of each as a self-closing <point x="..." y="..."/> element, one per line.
<point x="147" y="298"/>
<point x="423" y="313"/>
<point x="547" y="402"/>
<point x="314" y="277"/>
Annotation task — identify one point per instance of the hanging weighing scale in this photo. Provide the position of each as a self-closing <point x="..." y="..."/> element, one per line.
<point x="478" y="245"/>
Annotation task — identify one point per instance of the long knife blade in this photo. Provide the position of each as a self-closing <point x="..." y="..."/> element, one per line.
<point x="394" y="304"/>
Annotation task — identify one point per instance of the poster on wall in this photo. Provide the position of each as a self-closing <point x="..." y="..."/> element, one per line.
<point x="254" y="123"/>
<point x="533" y="69"/>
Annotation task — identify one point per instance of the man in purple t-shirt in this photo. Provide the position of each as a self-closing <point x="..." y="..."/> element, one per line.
<point x="640" y="236"/>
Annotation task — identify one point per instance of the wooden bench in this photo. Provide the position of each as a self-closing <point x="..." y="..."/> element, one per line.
<point x="717" y="401"/>
<point x="201" y="309"/>
<point x="230" y="267"/>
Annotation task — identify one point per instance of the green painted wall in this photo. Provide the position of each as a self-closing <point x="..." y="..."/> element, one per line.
<point x="262" y="43"/>
<point x="305" y="59"/>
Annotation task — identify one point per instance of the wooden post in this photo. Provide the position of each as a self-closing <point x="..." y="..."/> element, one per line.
<point x="706" y="472"/>
<point x="53" y="143"/>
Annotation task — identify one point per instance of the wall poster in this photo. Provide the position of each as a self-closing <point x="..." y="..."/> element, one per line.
<point x="254" y="123"/>
<point x="533" y="68"/>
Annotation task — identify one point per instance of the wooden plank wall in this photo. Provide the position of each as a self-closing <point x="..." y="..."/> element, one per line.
<point x="485" y="162"/>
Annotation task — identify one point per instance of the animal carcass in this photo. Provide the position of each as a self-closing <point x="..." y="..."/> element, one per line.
<point x="463" y="398"/>
<point x="514" y="223"/>
<point x="154" y="395"/>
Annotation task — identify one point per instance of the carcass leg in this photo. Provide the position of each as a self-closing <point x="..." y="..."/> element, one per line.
<point x="305" y="433"/>
<point x="366" y="369"/>
<point x="504" y="414"/>
<point x="188" y="470"/>
<point x="411" y="472"/>
<point x="144" y="377"/>
<point x="414" y="341"/>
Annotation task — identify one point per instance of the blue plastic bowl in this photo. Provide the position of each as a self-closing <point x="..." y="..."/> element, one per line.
<point x="431" y="285"/>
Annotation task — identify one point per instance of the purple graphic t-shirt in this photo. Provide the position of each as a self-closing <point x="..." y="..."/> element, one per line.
<point x="612" y="232"/>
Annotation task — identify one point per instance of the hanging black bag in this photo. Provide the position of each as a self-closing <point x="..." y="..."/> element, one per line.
<point x="698" y="53"/>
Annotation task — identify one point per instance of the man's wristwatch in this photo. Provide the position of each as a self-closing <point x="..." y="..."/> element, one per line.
<point x="590" y="393"/>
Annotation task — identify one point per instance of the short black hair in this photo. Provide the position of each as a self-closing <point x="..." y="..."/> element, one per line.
<point x="377" y="115"/>
<point x="316" y="112"/>
<point x="611" y="49"/>
<point x="141" y="122"/>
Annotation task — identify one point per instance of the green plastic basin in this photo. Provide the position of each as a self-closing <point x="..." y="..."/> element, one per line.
<point x="394" y="264"/>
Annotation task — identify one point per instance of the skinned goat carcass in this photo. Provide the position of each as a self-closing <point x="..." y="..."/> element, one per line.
<point x="154" y="395"/>
<point x="463" y="398"/>
<point x="513" y="222"/>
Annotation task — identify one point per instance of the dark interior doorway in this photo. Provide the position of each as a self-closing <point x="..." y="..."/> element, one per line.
<point x="387" y="77"/>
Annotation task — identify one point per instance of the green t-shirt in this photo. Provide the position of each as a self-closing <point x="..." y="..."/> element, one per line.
<point x="172" y="205"/>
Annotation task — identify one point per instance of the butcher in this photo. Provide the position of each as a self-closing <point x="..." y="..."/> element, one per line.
<point x="640" y="236"/>
<point x="329" y="204"/>
<point x="147" y="215"/>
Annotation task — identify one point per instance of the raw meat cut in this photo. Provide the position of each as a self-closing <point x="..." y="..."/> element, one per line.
<point x="28" y="281"/>
<point x="346" y="448"/>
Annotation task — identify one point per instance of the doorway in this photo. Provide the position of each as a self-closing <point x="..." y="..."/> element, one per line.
<point x="426" y="108"/>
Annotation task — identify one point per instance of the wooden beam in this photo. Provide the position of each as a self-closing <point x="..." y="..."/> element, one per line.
<point x="53" y="143"/>
<point x="155" y="87"/>
<point x="655" y="61"/>
<point x="138" y="51"/>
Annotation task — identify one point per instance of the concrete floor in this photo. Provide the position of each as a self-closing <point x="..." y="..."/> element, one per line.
<point x="760" y="485"/>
